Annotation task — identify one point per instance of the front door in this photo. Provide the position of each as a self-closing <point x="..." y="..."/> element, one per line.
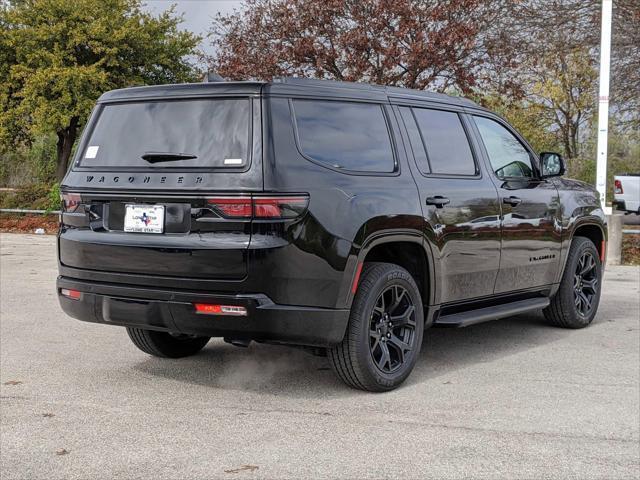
<point x="531" y="232"/>
<point x="460" y="204"/>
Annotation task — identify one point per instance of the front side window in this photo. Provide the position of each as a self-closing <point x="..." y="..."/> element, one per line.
<point x="508" y="157"/>
<point x="344" y="135"/>
<point x="173" y="133"/>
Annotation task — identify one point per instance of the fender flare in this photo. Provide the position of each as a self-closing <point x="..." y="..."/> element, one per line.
<point x="580" y="222"/>
<point x="379" y="238"/>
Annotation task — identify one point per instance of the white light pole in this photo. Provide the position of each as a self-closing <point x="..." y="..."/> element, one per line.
<point x="603" y="103"/>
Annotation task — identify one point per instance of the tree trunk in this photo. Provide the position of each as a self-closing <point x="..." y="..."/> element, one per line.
<point x="66" y="139"/>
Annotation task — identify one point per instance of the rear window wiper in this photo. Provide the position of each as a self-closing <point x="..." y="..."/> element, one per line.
<point x="155" y="157"/>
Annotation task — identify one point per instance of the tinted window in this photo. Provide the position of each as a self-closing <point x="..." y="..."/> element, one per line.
<point x="508" y="156"/>
<point x="417" y="146"/>
<point x="352" y="136"/>
<point x="216" y="132"/>
<point x="446" y="142"/>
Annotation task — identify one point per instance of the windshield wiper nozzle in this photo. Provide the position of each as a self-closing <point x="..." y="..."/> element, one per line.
<point x="155" y="157"/>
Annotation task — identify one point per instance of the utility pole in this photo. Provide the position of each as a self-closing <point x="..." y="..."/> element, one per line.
<point x="603" y="103"/>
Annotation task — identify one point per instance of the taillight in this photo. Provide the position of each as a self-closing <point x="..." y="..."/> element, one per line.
<point x="263" y="207"/>
<point x="617" y="187"/>
<point x="279" y="207"/>
<point x="70" y="202"/>
<point x="232" y="207"/>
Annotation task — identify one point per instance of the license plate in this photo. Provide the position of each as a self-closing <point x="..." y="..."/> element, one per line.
<point x="144" y="218"/>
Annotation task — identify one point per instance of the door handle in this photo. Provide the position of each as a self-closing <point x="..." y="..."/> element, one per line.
<point x="438" y="201"/>
<point x="513" y="201"/>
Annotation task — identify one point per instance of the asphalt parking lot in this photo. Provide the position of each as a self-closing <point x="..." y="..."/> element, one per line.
<point x="513" y="398"/>
<point x="631" y="219"/>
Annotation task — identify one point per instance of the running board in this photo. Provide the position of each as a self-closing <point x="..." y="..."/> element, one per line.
<point x="471" y="317"/>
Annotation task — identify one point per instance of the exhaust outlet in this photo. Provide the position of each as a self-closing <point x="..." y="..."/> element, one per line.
<point x="238" y="342"/>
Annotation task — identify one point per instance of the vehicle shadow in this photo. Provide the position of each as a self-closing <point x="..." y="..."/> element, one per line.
<point x="282" y="370"/>
<point x="445" y="350"/>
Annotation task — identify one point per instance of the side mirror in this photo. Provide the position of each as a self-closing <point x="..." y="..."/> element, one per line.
<point x="552" y="164"/>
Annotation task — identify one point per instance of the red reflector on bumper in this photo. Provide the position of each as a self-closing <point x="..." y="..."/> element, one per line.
<point x="72" y="294"/>
<point x="356" y="279"/>
<point x="211" y="309"/>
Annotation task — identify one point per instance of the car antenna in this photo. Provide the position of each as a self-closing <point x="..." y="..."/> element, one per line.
<point x="211" y="76"/>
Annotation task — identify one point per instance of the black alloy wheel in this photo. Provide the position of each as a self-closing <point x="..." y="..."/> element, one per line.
<point x="585" y="283"/>
<point x="392" y="329"/>
<point x="575" y="303"/>
<point x="384" y="335"/>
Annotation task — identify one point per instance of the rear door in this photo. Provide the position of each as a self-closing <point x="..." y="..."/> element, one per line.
<point x="531" y="228"/>
<point x="460" y="204"/>
<point x="163" y="186"/>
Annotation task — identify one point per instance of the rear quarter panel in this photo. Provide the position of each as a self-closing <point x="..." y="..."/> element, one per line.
<point x="317" y="262"/>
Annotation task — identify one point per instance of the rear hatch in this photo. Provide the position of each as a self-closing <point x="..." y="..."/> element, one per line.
<point x="163" y="181"/>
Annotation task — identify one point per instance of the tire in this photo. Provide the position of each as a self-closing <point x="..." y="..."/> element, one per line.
<point x="166" y="345"/>
<point x="577" y="290"/>
<point x="360" y="360"/>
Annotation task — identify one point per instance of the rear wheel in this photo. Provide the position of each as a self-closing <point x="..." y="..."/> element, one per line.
<point x="384" y="335"/>
<point x="167" y="345"/>
<point x="576" y="301"/>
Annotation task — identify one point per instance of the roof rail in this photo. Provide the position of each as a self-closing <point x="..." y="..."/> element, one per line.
<point x="388" y="90"/>
<point x="326" y="83"/>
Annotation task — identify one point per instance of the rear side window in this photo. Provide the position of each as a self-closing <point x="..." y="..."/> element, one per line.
<point x="174" y="133"/>
<point x="446" y="142"/>
<point x="417" y="145"/>
<point x="345" y="135"/>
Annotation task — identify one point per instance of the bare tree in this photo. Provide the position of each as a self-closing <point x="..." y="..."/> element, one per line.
<point x="529" y="53"/>
<point x="625" y="82"/>
<point x="442" y="45"/>
<point x="557" y="63"/>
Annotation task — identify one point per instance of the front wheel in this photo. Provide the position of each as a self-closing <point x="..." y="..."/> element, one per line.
<point x="167" y="345"/>
<point x="576" y="302"/>
<point x="384" y="335"/>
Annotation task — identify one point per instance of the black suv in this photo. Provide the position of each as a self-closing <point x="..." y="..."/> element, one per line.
<point x="345" y="218"/>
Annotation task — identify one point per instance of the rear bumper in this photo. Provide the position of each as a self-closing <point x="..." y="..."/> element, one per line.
<point x="173" y="311"/>
<point x="627" y="205"/>
<point x="619" y="204"/>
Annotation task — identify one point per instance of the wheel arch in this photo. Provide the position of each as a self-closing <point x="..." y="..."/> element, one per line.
<point x="592" y="229"/>
<point x="404" y="248"/>
<point x="595" y="233"/>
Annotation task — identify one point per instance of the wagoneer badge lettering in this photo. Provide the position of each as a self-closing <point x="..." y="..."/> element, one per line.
<point x="147" y="179"/>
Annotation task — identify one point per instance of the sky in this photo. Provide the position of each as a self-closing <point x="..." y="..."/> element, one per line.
<point x="198" y="14"/>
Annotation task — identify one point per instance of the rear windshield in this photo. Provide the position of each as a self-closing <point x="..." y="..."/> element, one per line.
<point x="168" y="134"/>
